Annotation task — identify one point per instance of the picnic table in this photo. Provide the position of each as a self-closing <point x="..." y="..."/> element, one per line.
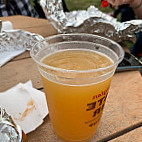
<point x="122" y="117"/>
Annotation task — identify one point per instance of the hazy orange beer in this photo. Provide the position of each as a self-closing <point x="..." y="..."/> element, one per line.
<point x="76" y="71"/>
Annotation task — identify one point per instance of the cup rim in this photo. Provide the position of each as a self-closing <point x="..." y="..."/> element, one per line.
<point x="77" y="71"/>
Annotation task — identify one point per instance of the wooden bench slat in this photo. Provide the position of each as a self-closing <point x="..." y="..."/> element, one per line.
<point x="123" y="107"/>
<point x="19" y="71"/>
<point x="132" y="136"/>
<point x="122" y="110"/>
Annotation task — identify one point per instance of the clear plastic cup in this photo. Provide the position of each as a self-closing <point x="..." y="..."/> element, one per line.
<point x="76" y="98"/>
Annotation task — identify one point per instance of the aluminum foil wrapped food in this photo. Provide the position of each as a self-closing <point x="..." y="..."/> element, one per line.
<point x="9" y="131"/>
<point x="15" y="42"/>
<point x="91" y="21"/>
<point x="18" y="39"/>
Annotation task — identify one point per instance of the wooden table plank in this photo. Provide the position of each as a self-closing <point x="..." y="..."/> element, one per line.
<point x="44" y="133"/>
<point x="20" y="21"/>
<point x="19" y="71"/>
<point x="122" y="110"/>
<point x="45" y="31"/>
<point x="132" y="136"/>
<point x="34" y="25"/>
<point x="123" y="107"/>
<point x="24" y="55"/>
<point x="124" y="104"/>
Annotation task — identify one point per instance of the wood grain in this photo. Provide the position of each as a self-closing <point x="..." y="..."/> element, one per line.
<point x="24" y="55"/>
<point x="21" y="22"/>
<point x="132" y="136"/>
<point x="123" y="108"/>
<point x="34" y="25"/>
<point x="19" y="71"/>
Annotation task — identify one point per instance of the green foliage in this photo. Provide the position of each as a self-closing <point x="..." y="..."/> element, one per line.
<point x="84" y="4"/>
<point x="128" y="44"/>
<point x="32" y="2"/>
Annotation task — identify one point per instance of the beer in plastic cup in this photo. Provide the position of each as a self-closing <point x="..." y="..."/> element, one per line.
<point x="76" y="70"/>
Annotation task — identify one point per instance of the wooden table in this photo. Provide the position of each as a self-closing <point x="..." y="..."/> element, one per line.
<point x="122" y="116"/>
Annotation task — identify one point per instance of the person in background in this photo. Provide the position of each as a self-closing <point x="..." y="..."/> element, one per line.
<point x="136" y="5"/>
<point x="17" y="7"/>
<point x="64" y="6"/>
<point x="39" y="10"/>
<point x="126" y="11"/>
<point x="23" y="7"/>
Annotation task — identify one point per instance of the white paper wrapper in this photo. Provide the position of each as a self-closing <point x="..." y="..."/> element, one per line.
<point x="26" y="105"/>
<point x="7" y="25"/>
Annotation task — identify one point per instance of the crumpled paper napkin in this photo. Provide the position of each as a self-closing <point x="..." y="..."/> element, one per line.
<point x="26" y="105"/>
<point x="7" y="56"/>
<point x="6" y="25"/>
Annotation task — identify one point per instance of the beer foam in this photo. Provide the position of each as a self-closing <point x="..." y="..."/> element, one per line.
<point x="77" y="60"/>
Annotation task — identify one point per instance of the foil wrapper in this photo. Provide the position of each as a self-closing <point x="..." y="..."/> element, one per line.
<point x="9" y="131"/>
<point x="17" y="40"/>
<point x="91" y="21"/>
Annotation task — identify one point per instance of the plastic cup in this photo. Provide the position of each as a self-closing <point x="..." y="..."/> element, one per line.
<point x="76" y="98"/>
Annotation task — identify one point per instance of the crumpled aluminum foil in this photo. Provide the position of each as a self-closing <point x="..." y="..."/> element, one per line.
<point x="9" y="131"/>
<point x="91" y="21"/>
<point x="17" y="40"/>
